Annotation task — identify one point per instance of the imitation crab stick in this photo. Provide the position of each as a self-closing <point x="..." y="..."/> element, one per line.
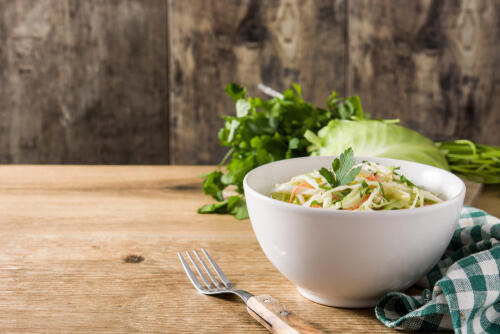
<point x="303" y="184"/>
<point x="359" y="204"/>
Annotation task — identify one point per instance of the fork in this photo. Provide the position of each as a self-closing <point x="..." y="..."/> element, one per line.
<point x="265" y="309"/>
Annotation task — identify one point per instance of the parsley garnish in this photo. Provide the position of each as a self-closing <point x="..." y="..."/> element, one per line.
<point x="342" y="172"/>
<point x="402" y="178"/>
<point x="382" y="189"/>
<point x="338" y="194"/>
<point x="365" y="189"/>
<point x="406" y="181"/>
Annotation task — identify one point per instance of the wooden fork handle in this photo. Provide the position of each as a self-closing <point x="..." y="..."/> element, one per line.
<point x="276" y="318"/>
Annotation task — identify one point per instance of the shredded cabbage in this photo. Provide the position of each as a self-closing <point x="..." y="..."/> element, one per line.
<point x="376" y="187"/>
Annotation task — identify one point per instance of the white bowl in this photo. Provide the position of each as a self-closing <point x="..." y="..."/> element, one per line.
<point x="352" y="258"/>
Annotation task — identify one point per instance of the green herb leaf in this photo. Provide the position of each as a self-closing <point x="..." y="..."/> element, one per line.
<point x="328" y="175"/>
<point x="406" y="181"/>
<point x="339" y="195"/>
<point x="242" y="107"/>
<point x="232" y="130"/>
<point x="342" y="172"/>
<point x="382" y="189"/>
<point x="346" y="192"/>
<point x="298" y="89"/>
<point x="351" y="175"/>
<point x="356" y="108"/>
<point x="236" y="91"/>
<point x="344" y="165"/>
<point x="220" y="207"/>
<point x="213" y="185"/>
<point x="237" y="206"/>
<point x="365" y="189"/>
<point x="234" y="205"/>
<point x="293" y="143"/>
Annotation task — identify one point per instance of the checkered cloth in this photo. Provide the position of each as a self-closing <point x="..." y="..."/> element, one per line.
<point x="465" y="284"/>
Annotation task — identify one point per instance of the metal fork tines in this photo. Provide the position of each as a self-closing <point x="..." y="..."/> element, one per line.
<point x="211" y="285"/>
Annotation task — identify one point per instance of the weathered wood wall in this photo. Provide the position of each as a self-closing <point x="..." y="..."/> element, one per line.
<point x="433" y="64"/>
<point x="83" y="81"/>
<point x="216" y="42"/>
<point x="131" y="81"/>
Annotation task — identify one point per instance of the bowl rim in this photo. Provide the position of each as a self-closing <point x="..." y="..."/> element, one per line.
<point x="294" y="207"/>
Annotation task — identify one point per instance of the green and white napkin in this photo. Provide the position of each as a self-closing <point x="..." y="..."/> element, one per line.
<point x="465" y="284"/>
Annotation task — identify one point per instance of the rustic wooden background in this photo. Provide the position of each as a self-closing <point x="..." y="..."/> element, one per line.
<point x="142" y="82"/>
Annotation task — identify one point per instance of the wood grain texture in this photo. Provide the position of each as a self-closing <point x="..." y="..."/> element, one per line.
<point x="92" y="249"/>
<point x="473" y="192"/>
<point x="83" y="81"/>
<point x="213" y="43"/>
<point x="433" y="64"/>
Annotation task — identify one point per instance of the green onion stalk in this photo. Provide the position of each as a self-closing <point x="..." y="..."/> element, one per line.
<point x="476" y="162"/>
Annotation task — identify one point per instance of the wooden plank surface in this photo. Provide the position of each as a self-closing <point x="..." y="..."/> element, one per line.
<point x="92" y="249"/>
<point x="213" y="43"/>
<point x="433" y="64"/>
<point x="474" y="190"/>
<point x="83" y="81"/>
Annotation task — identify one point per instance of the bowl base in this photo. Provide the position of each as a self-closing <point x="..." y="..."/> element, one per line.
<point x="338" y="302"/>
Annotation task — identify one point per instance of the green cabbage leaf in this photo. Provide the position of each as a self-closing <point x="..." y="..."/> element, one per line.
<point x="375" y="139"/>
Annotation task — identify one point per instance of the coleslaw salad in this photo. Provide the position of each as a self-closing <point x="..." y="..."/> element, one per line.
<point x="375" y="187"/>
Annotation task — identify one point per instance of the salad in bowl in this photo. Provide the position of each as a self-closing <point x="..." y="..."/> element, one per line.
<point x="348" y="186"/>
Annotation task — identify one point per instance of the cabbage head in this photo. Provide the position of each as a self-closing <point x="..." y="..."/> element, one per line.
<point x="375" y="139"/>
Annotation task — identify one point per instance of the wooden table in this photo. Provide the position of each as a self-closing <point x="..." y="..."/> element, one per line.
<point x="93" y="249"/>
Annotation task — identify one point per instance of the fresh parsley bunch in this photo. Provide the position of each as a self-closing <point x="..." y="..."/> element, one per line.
<point x="263" y="131"/>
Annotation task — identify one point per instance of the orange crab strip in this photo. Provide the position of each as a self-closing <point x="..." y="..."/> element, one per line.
<point x="303" y="184"/>
<point x="358" y="205"/>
